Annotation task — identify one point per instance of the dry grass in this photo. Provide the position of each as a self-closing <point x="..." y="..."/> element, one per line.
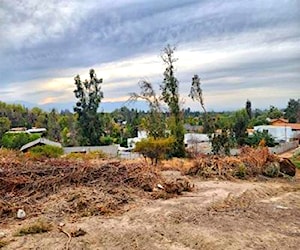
<point x="3" y="243"/>
<point x="37" y="227"/>
<point x="176" y="164"/>
<point x="248" y="198"/>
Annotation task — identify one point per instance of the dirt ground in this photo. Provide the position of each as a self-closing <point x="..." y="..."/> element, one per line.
<point x="216" y="215"/>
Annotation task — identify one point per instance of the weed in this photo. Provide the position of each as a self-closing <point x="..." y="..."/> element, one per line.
<point x="47" y="151"/>
<point x="241" y="171"/>
<point x="37" y="227"/>
<point x="3" y="243"/>
<point x="272" y="169"/>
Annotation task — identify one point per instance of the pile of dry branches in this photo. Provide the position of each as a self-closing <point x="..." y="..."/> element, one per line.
<point x="251" y="162"/>
<point x="86" y="187"/>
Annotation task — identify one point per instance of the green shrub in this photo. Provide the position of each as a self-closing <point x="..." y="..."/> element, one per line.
<point x="17" y="140"/>
<point x="155" y="149"/>
<point x="106" y="140"/>
<point x="46" y="151"/>
<point x="257" y="137"/>
<point x="241" y="171"/>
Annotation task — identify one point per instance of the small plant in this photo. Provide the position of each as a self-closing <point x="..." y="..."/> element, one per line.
<point x="272" y="169"/>
<point x="38" y="227"/>
<point x="241" y="171"/>
<point x="106" y="140"/>
<point x="46" y="151"/>
<point x="296" y="158"/>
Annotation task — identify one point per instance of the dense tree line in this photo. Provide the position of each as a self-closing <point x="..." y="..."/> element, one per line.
<point x="124" y="123"/>
<point x="63" y="126"/>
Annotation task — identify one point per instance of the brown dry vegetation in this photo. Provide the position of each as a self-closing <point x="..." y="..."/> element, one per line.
<point x="82" y="187"/>
<point x="113" y="204"/>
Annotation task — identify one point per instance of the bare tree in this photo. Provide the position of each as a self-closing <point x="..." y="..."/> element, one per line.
<point x="196" y="92"/>
<point x="155" y="122"/>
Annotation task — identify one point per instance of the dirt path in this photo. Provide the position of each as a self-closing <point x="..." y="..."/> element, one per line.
<point x="217" y="215"/>
<point x="288" y="154"/>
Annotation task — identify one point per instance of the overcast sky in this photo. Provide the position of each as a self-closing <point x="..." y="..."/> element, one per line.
<point x="240" y="49"/>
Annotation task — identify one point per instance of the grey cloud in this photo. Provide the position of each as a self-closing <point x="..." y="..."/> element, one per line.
<point x="96" y="32"/>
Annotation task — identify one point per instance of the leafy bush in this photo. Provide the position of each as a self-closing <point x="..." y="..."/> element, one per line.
<point x="17" y="140"/>
<point x="46" y="151"/>
<point x="155" y="149"/>
<point x="257" y="137"/>
<point x="106" y="140"/>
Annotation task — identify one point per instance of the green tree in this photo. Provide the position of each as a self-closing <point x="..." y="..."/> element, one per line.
<point x="274" y="113"/>
<point x="155" y="149"/>
<point x="53" y="127"/>
<point x="249" y="109"/>
<point x="257" y="137"/>
<point x="241" y="121"/>
<point x="89" y="96"/>
<point x="17" y="140"/>
<point x="170" y="96"/>
<point x="68" y="129"/>
<point x="4" y="125"/>
<point x="292" y="112"/>
<point x="222" y="142"/>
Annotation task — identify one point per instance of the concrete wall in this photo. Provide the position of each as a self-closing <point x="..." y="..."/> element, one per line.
<point x="283" y="147"/>
<point x="111" y="150"/>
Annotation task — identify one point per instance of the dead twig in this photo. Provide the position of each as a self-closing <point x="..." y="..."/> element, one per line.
<point x="67" y="245"/>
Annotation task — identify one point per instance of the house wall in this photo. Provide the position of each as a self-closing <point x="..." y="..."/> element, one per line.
<point x="280" y="133"/>
<point x="111" y="150"/>
<point x="283" y="147"/>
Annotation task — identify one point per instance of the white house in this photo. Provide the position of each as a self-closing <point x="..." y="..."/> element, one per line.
<point x="279" y="133"/>
<point x="132" y="141"/>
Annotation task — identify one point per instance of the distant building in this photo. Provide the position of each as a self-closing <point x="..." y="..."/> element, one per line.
<point x="197" y="143"/>
<point x="193" y="128"/>
<point x="280" y="122"/>
<point x="38" y="142"/>
<point x="33" y="130"/>
<point x="279" y="133"/>
<point x="192" y="138"/>
<point x="132" y="141"/>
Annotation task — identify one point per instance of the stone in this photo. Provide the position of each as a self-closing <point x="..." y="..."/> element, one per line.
<point x="21" y="214"/>
<point x="2" y="235"/>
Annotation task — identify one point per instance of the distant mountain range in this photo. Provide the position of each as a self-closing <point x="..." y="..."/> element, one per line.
<point x="104" y="106"/>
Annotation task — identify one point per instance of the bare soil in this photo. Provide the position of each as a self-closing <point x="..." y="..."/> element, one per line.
<point x="216" y="215"/>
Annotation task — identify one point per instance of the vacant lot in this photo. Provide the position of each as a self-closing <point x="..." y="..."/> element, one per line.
<point x="181" y="204"/>
<point x="216" y="215"/>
